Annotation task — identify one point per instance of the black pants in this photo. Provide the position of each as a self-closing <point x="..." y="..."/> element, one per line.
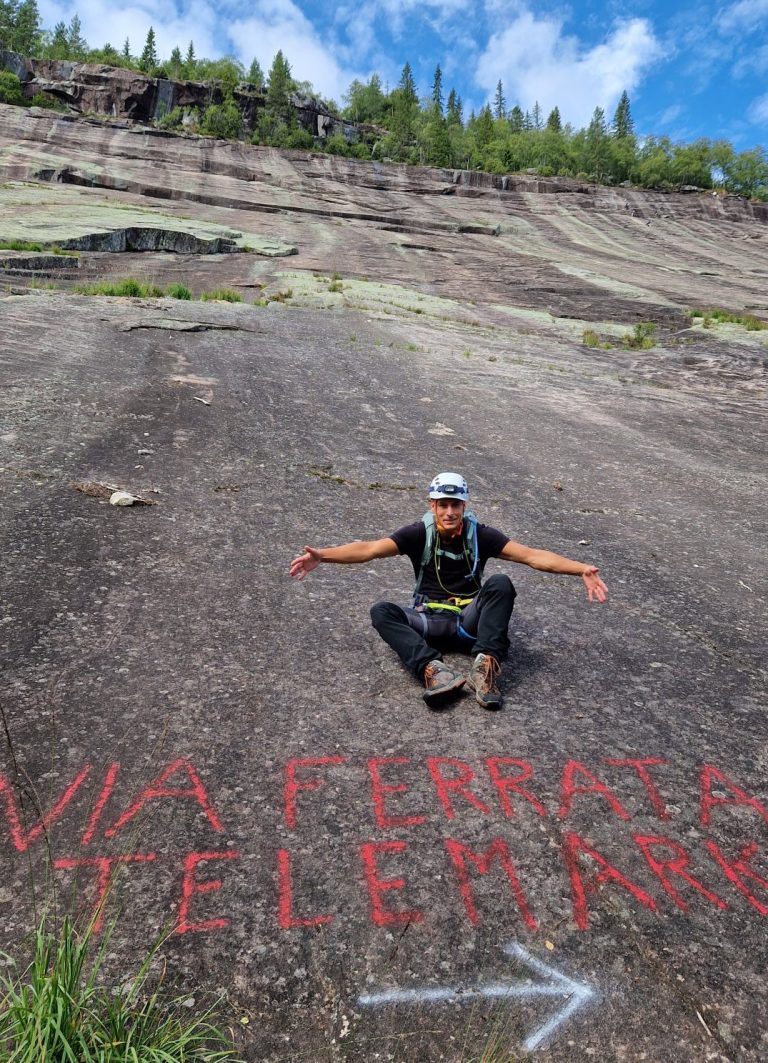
<point x="486" y="618"/>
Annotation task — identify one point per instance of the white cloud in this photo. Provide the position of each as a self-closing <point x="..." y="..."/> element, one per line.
<point x="754" y="63"/>
<point x="743" y="15"/>
<point x="758" y="110"/>
<point x="670" y="114"/>
<point x="275" y="25"/>
<point x="270" y="25"/>
<point x="101" y="23"/>
<point x="535" y="60"/>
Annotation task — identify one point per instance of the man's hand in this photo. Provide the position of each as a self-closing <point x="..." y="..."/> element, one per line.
<point x="596" y="589"/>
<point x="302" y="566"/>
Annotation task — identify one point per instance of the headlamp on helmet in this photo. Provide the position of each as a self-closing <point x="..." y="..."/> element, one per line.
<point x="449" y="485"/>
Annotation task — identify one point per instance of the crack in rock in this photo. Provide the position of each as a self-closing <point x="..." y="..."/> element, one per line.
<point x="184" y="326"/>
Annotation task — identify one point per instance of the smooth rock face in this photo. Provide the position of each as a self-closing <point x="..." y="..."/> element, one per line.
<point x="582" y="874"/>
<point x="590" y="253"/>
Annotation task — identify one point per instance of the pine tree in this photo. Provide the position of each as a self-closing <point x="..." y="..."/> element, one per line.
<point x="437" y="90"/>
<point x="499" y="103"/>
<point x="126" y="52"/>
<point x="623" y="126"/>
<point x="148" y="60"/>
<point x="536" y="121"/>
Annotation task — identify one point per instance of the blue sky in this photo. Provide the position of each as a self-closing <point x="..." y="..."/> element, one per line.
<point x="691" y="69"/>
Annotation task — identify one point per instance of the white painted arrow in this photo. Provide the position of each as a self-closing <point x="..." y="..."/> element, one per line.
<point x="557" y="984"/>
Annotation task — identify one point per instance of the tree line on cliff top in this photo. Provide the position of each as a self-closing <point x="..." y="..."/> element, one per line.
<point x="432" y="130"/>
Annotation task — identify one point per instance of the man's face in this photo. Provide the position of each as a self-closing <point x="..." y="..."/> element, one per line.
<point x="449" y="513"/>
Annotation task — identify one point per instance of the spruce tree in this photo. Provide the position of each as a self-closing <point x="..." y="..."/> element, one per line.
<point x="596" y="144"/>
<point x="483" y="127"/>
<point x="279" y="87"/>
<point x="59" y="46"/>
<point x="27" y="35"/>
<point x="256" y="74"/>
<point x="554" y="122"/>
<point x="454" y="109"/>
<point x="499" y="103"/>
<point x="623" y="126"/>
<point x="126" y="52"/>
<point x="407" y="85"/>
<point x="516" y="119"/>
<point x="438" y="141"/>
<point x="7" y="13"/>
<point x="148" y="60"/>
<point x="78" y="46"/>
<point x="190" y="62"/>
<point x="437" y="90"/>
<point x="405" y="107"/>
<point x="176" y="61"/>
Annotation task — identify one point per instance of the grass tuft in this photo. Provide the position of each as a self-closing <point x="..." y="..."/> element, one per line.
<point x="56" y="1011"/>
<point x="276" y="297"/>
<point x="222" y="295"/>
<point x="178" y="291"/>
<point x="19" y="245"/>
<point x="591" y="339"/>
<point x="130" y="287"/>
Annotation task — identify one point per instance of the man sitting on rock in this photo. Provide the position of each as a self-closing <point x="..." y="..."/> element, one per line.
<point x="452" y="609"/>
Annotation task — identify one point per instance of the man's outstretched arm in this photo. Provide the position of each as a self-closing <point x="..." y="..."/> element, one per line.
<point x="348" y="554"/>
<point x="546" y="561"/>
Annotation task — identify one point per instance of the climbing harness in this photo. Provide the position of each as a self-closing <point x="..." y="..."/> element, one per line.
<point x="442" y="620"/>
<point x="434" y="551"/>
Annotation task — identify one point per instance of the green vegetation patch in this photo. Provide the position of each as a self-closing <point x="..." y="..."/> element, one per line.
<point x="720" y="317"/>
<point x="55" y="1010"/>
<point x="10" y="88"/>
<point x="178" y="291"/>
<point x="641" y="338"/>
<point x="221" y="295"/>
<point x="130" y="287"/>
<point x="34" y="247"/>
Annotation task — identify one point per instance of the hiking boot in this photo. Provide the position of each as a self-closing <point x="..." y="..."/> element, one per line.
<point x="482" y="679"/>
<point x="442" y="683"/>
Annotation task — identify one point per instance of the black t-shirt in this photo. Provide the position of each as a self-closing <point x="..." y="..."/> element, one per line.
<point x="454" y="576"/>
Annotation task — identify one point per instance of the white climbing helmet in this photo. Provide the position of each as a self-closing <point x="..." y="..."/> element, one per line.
<point x="449" y="485"/>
